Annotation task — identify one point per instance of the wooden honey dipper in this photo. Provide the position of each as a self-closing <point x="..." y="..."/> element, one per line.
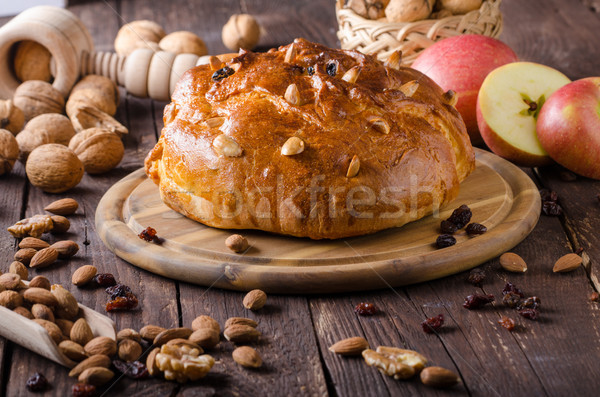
<point x="143" y="73"/>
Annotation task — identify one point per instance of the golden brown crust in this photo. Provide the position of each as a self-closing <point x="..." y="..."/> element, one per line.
<point x="403" y="175"/>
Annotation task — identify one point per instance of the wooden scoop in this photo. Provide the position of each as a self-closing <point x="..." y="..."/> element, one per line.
<point x="34" y="337"/>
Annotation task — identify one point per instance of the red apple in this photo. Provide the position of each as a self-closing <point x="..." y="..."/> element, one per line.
<point x="461" y="63"/>
<point x="568" y="127"/>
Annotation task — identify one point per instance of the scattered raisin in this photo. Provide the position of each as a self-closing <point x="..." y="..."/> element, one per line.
<point x="579" y="251"/>
<point x="567" y="176"/>
<point x="448" y="227"/>
<point x="222" y="73"/>
<point x="474" y="229"/>
<point x="365" y="309"/>
<point x="510" y="287"/>
<point x="37" y="382"/>
<point x="433" y="324"/>
<point x="476" y="301"/>
<point x="310" y="70"/>
<point x="445" y="240"/>
<point x="83" y="390"/>
<point x="331" y="69"/>
<point x="122" y="303"/>
<point x="476" y="277"/>
<point x="594" y="296"/>
<point x="118" y="290"/>
<point x="461" y="216"/>
<point x="133" y="370"/>
<point x="104" y="280"/>
<point x="533" y="302"/>
<point x="149" y="235"/>
<point x="548" y="195"/>
<point x="507" y="323"/>
<point x="511" y="299"/>
<point x="531" y="314"/>
<point x="551" y="208"/>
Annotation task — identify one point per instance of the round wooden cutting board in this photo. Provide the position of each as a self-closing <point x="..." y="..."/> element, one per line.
<point x="500" y="195"/>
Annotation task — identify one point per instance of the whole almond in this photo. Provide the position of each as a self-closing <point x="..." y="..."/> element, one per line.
<point x="32" y="242"/>
<point x="129" y="350"/>
<point x="18" y="268"/>
<point x="10" y="281"/>
<point x="24" y="255"/>
<point x="149" y="332"/>
<point x="350" y="346"/>
<point x="40" y="282"/>
<point x="255" y="299"/>
<point x="40" y="295"/>
<point x="247" y="357"/>
<point x="65" y="326"/>
<point x="567" y="263"/>
<point x="172" y="333"/>
<point x="96" y="376"/>
<point x="42" y="312"/>
<point x="153" y="369"/>
<point x="65" y="248"/>
<point x="23" y="312"/>
<point x="97" y="360"/>
<point x="205" y="322"/>
<point x="240" y="321"/>
<point x="67" y="306"/>
<point x="84" y="275"/>
<point x="66" y="206"/>
<point x="72" y="350"/>
<point x="128" y="333"/>
<point x="101" y="345"/>
<point x="52" y="330"/>
<point x="512" y="262"/>
<point x="205" y="337"/>
<point x="241" y="333"/>
<point x="81" y="332"/>
<point x="10" y="299"/>
<point x="438" y="377"/>
<point x="44" y="258"/>
<point x="61" y="224"/>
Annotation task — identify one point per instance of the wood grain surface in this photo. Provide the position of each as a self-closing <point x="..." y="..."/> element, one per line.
<point x="554" y="356"/>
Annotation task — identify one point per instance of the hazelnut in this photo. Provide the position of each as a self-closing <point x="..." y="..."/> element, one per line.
<point x="95" y="91"/>
<point x="9" y="151"/>
<point x="408" y="10"/>
<point x="98" y="149"/>
<point x="183" y="42"/>
<point x="11" y="117"/>
<point x="371" y="9"/>
<point x="32" y="61"/>
<point x="54" y="168"/>
<point x="237" y="243"/>
<point x="241" y="31"/>
<point x="138" y="34"/>
<point x="42" y="129"/>
<point x="35" y="97"/>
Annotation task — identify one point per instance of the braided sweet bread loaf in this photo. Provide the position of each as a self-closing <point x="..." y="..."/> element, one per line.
<point x="309" y="141"/>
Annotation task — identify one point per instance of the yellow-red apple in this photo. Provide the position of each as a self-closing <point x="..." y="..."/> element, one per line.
<point x="460" y="64"/>
<point x="568" y="127"/>
<point x="508" y="105"/>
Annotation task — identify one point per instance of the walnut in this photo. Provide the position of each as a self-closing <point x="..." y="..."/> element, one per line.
<point x="11" y="117"/>
<point x="182" y="363"/>
<point x="53" y="168"/>
<point x="96" y="91"/>
<point x="98" y="149"/>
<point x="32" y="61"/>
<point x="391" y="361"/>
<point x="9" y="151"/>
<point x="371" y="9"/>
<point x="85" y="117"/>
<point x="241" y="31"/>
<point x="458" y="7"/>
<point x="408" y="10"/>
<point x="183" y="42"/>
<point x="35" y="97"/>
<point x="43" y="129"/>
<point x="32" y="227"/>
<point x="138" y="34"/>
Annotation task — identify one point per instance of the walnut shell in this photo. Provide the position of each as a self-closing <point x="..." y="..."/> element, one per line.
<point x="138" y="34"/>
<point x="11" y="117"/>
<point x="458" y="7"/>
<point x="96" y="91"/>
<point x="9" y="151"/>
<point x="35" y="97"/>
<point x="32" y="61"/>
<point x="54" y="168"/>
<point x="98" y="149"/>
<point x="371" y="9"/>
<point x="42" y="129"/>
<point x="183" y="42"/>
<point x="408" y="10"/>
<point x="86" y="117"/>
<point x="241" y="31"/>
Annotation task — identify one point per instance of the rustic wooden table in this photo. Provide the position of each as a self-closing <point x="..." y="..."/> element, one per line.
<point x="554" y="356"/>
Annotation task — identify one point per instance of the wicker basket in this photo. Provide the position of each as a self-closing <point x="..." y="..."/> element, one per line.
<point x="376" y="36"/>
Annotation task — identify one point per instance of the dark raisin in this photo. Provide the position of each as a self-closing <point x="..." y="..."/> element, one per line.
<point x="579" y="251"/>
<point x="331" y="69"/>
<point x="133" y="370"/>
<point x="507" y="323"/>
<point x="476" y="277"/>
<point x="448" y="227"/>
<point x="531" y="314"/>
<point x="510" y="287"/>
<point x="118" y="290"/>
<point x="297" y="69"/>
<point x="149" y="234"/>
<point x="445" y="240"/>
<point x="511" y="299"/>
<point x="222" y="73"/>
<point x="104" y="280"/>
<point x="433" y="324"/>
<point x="310" y="70"/>
<point x="122" y="303"/>
<point x="476" y="301"/>
<point x="365" y="309"/>
<point x="551" y="208"/>
<point x="594" y="296"/>
<point x="567" y="176"/>
<point x="533" y="302"/>
<point x="474" y="229"/>
<point x="83" y="390"/>
<point x="548" y="195"/>
<point x="461" y="216"/>
<point x="37" y="382"/>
